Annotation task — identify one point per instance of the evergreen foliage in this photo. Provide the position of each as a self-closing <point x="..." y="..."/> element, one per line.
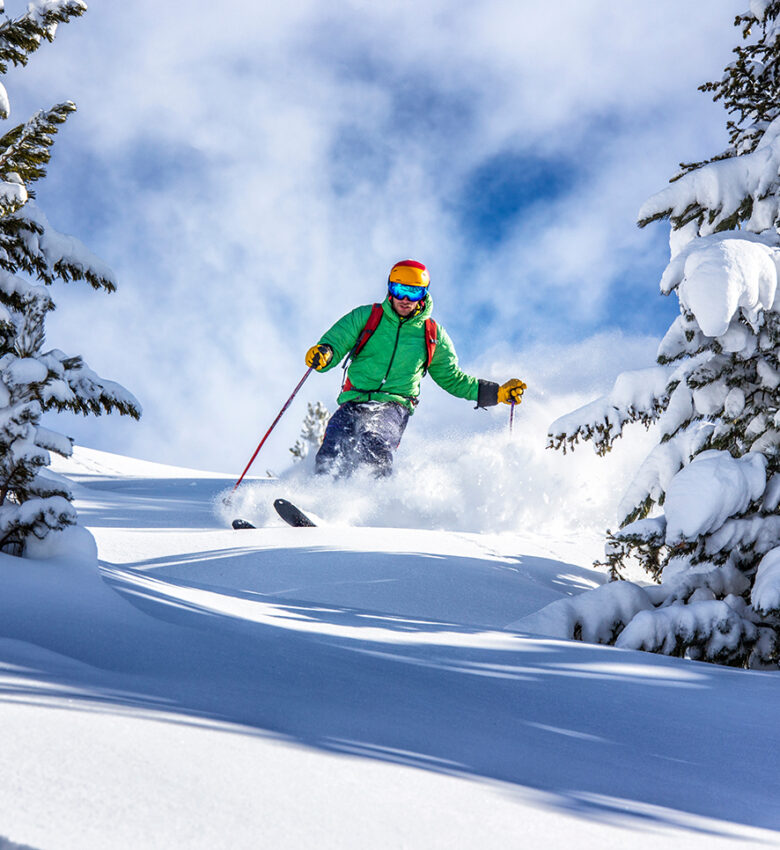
<point x="312" y="430"/>
<point x="750" y="87"/>
<point x="701" y="516"/>
<point x="19" y="37"/>
<point x="750" y="91"/>
<point x="32" y="379"/>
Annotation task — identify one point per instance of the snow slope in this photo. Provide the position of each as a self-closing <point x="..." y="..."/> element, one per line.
<point x="345" y="687"/>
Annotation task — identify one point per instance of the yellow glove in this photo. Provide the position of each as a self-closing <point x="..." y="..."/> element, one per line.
<point x="511" y="392"/>
<point x="318" y="356"/>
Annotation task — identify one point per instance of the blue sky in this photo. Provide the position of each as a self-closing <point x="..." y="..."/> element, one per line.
<point x="251" y="172"/>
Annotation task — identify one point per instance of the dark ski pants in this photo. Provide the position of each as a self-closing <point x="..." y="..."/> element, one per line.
<point x="361" y="434"/>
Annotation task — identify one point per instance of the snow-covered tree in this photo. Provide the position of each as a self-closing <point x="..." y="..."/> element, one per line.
<point x="701" y="515"/>
<point x="312" y="430"/>
<point x="32" y="256"/>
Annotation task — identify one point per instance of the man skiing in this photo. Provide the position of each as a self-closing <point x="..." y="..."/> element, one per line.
<point x="389" y="348"/>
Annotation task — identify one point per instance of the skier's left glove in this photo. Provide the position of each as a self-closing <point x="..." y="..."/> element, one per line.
<point x="318" y="356"/>
<point x="511" y="392"/>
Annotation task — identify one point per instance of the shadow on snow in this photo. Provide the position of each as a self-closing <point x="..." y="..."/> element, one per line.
<point x="586" y="725"/>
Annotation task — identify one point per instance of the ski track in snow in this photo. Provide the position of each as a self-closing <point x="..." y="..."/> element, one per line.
<point x="348" y="687"/>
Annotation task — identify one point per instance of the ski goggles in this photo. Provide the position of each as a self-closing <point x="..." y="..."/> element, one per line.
<point x="405" y="290"/>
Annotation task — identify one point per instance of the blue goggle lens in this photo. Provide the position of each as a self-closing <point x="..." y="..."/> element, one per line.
<point x="404" y="290"/>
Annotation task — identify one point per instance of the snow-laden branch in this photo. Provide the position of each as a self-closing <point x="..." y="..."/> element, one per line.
<point x="57" y="255"/>
<point x="597" y="616"/>
<point x="658" y="470"/>
<point x="13" y="195"/>
<point x="713" y="487"/>
<point x="713" y="630"/>
<point x="19" y="37"/>
<point x="638" y="396"/>
<point x="723" y="193"/>
<point x="25" y="150"/>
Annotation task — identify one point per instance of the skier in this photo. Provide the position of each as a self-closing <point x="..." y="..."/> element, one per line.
<point x="388" y="348"/>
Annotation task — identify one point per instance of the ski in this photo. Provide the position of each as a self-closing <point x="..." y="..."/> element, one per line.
<point x="242" y="523"/>
<point x="292" y="515"/>
<point x="287" y="511"/>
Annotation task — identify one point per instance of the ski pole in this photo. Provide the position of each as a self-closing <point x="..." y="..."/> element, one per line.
<point x="273" y="425"/>
<point x="511" y="416"/>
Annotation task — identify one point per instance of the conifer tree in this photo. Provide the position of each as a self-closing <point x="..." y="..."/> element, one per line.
<point x="33" y="255"/>
<point x="701" y="515"/>
<point x="312" y="431"/>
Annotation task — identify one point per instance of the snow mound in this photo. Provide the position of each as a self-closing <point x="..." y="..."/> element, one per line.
<point x="87" y="462"/>
<point x="73" y="544"/>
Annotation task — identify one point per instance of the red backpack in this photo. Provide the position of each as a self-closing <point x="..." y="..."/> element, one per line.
<point x="372" y="324"/>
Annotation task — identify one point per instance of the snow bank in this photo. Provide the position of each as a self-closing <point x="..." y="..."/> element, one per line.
<point x="95" y="462"/>
<point x="712" y="488"/>
<point x="73" y="544"/>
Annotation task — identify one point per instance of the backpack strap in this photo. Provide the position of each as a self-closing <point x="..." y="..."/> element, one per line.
<point x="365" y="335"/>
<point x="431" y="334"/>
<point x="375" y="317"/>
<point x="431" y="338"/>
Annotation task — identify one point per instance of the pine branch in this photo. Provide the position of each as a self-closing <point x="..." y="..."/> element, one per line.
<point x="35" y="247"/>
<point x="26" y="149"/>
<point x="84" y="391"/>
<point x="22" y="36"/>
<point x="16" y="247"/>
<point x="69" y="271"/>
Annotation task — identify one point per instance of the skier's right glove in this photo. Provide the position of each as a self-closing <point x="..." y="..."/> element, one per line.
<point x="511" y="392"/>
<point x="318" y="356"/>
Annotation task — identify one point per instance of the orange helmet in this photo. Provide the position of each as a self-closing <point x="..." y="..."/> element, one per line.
<point x="409" y="273"/>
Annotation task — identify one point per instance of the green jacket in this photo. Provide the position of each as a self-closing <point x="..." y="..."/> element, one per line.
<point x="392" y="363"/>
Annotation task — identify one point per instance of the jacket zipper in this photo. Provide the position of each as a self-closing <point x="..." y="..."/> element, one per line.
<point x="392" y="356"/>
<point x="389" y="367"/>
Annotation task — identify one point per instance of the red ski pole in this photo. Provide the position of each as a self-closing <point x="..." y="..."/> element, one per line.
<point x="273" y="425"/>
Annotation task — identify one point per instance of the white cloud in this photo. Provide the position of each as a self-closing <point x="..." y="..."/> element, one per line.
<point x="258" y="168"/>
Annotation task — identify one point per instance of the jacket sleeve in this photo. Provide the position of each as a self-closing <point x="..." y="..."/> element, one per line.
<point x="445" y="371"/>
<point x="448" y="375"/>
<point x="343" y="335"/>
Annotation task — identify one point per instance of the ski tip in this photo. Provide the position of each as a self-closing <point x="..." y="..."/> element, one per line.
<point x="292" y="515"/>
<point x="242" y="523"/>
